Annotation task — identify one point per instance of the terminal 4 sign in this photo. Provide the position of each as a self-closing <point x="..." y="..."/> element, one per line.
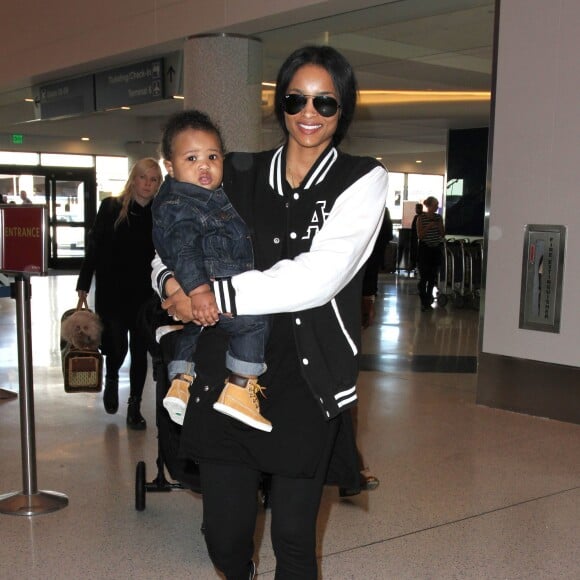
<point x="130" y="85"/>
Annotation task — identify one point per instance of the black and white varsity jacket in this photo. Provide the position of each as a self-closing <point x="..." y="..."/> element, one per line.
<point x="309" y="245"/>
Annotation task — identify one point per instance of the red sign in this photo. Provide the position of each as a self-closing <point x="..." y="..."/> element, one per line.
<point x="23" y="242"/>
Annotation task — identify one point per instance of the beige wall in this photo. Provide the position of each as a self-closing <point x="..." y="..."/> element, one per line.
<point x="40" y="37"/>
<point x="536" y="170"/>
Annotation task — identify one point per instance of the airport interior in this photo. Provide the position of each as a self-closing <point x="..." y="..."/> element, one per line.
<point x="468" y="410"/>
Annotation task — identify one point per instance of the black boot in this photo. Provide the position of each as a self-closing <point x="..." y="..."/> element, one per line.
<point x="111" y="396"/>
<point x="135" y="420"/>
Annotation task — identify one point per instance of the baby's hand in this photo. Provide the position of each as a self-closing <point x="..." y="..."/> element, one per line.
<point x="203" y="306"/>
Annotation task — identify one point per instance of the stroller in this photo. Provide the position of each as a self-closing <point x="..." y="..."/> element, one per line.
<point x="184" y="474"/>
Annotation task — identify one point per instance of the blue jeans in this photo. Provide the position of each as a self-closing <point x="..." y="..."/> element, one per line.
<point x="245" y="354"/>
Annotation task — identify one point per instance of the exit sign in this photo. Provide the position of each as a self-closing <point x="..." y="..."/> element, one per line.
<point x="17" y="139"/>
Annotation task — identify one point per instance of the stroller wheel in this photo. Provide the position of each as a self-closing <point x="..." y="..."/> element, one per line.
<point x="442" y="300"/>
<point x="140" y="486"/>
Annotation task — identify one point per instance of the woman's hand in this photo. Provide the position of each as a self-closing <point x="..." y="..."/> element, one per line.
<point x="199" y="307"/>
<point x="177" y="304"/>
<point x="203" y="306"/>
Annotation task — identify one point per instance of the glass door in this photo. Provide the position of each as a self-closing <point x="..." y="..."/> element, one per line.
<point x="70" y="196"/>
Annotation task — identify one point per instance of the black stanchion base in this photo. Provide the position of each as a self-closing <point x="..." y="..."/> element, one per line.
<point x="42" y="502"/>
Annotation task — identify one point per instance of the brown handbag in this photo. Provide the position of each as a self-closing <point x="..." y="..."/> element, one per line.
<point x="82" y="368"/>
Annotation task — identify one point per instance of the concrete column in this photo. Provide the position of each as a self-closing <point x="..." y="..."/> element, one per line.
<point x="137" y="150"/>
<point x="222" y="77"/>
<point x="534" y="180"/>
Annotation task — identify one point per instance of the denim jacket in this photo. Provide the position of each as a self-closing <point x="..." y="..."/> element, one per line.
<point x="198" y="234"/>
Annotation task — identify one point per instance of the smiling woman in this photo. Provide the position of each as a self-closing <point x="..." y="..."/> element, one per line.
<point x="314" y="213"/>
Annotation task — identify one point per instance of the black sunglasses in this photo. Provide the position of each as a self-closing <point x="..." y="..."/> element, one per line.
<point x="326" y="105"/>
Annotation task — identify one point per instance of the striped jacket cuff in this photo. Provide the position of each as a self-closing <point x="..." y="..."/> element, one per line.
<point x="161" y="279"/>
<point x="225" y="295"/>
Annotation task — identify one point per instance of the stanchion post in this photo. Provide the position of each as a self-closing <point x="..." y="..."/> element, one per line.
<point x="30" y="501"/>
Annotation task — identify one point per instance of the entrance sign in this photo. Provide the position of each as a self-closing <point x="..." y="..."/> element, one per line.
<point x="23" y="239"/>
<point x="542" y="275"/>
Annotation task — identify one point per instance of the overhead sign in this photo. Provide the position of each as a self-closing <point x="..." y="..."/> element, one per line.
<point x="130" y="85"/>
<point x="173" y="74"/>
<point x="67" y="98"/>
<point x="135" y="84"/>
<point x="23" y="239"/>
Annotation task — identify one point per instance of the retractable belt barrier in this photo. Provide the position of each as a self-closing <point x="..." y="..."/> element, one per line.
<point x="23" y="244"/>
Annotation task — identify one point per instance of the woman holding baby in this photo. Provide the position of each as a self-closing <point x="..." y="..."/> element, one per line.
<point x="314" y="213"/>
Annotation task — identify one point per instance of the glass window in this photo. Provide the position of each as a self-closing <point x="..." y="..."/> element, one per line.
<point x="22" y="189"/>
<point x="17" y="158"/>
<point x="60" y="160"/>
<point x="422" y="186"/>
<point x="396" y="195"/>
<point x="411" y="187"/>
<point x="112" y="173"/>
<point x="408" y="189"/>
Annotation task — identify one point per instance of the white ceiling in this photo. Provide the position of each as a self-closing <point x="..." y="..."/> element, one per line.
<point x="442" y="45"/>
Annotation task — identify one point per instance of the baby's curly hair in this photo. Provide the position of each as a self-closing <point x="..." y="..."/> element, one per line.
<point x="188" y="119"/>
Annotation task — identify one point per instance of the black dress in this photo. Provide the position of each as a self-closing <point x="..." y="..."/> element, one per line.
<point x="299" y="433"/>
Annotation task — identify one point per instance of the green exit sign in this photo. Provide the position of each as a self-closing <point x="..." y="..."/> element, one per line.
<point x="17" y="139"/>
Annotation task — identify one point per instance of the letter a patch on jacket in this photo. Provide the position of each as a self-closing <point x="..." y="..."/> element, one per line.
<point x="317" y="221"/>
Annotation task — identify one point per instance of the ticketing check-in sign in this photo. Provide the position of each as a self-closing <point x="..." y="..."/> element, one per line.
<point x="23" y="239"/>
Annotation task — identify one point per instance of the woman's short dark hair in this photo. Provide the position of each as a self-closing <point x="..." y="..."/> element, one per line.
<point x="342" y="76"/>
<point x="188" y="119"/>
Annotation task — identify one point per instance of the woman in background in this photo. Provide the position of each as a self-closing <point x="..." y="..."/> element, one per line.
<point x="431" y="233"/>
<point x="119" y="254"/>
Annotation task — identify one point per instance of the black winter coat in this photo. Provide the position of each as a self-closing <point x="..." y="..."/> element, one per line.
<point x="120" y="258"/>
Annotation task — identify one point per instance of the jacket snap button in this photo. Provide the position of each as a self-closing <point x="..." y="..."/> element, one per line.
<point x="206" y="388"/>
<point x="293" y="235"/>
<point x="298" y="321"/>
<point x="296" y="196"/>
<point x="197" y="399"/>
<point x="276" y="240"/>
<point x="304" y="361"/>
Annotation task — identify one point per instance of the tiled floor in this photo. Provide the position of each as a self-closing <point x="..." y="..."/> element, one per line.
<point x="466" y="491"/>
